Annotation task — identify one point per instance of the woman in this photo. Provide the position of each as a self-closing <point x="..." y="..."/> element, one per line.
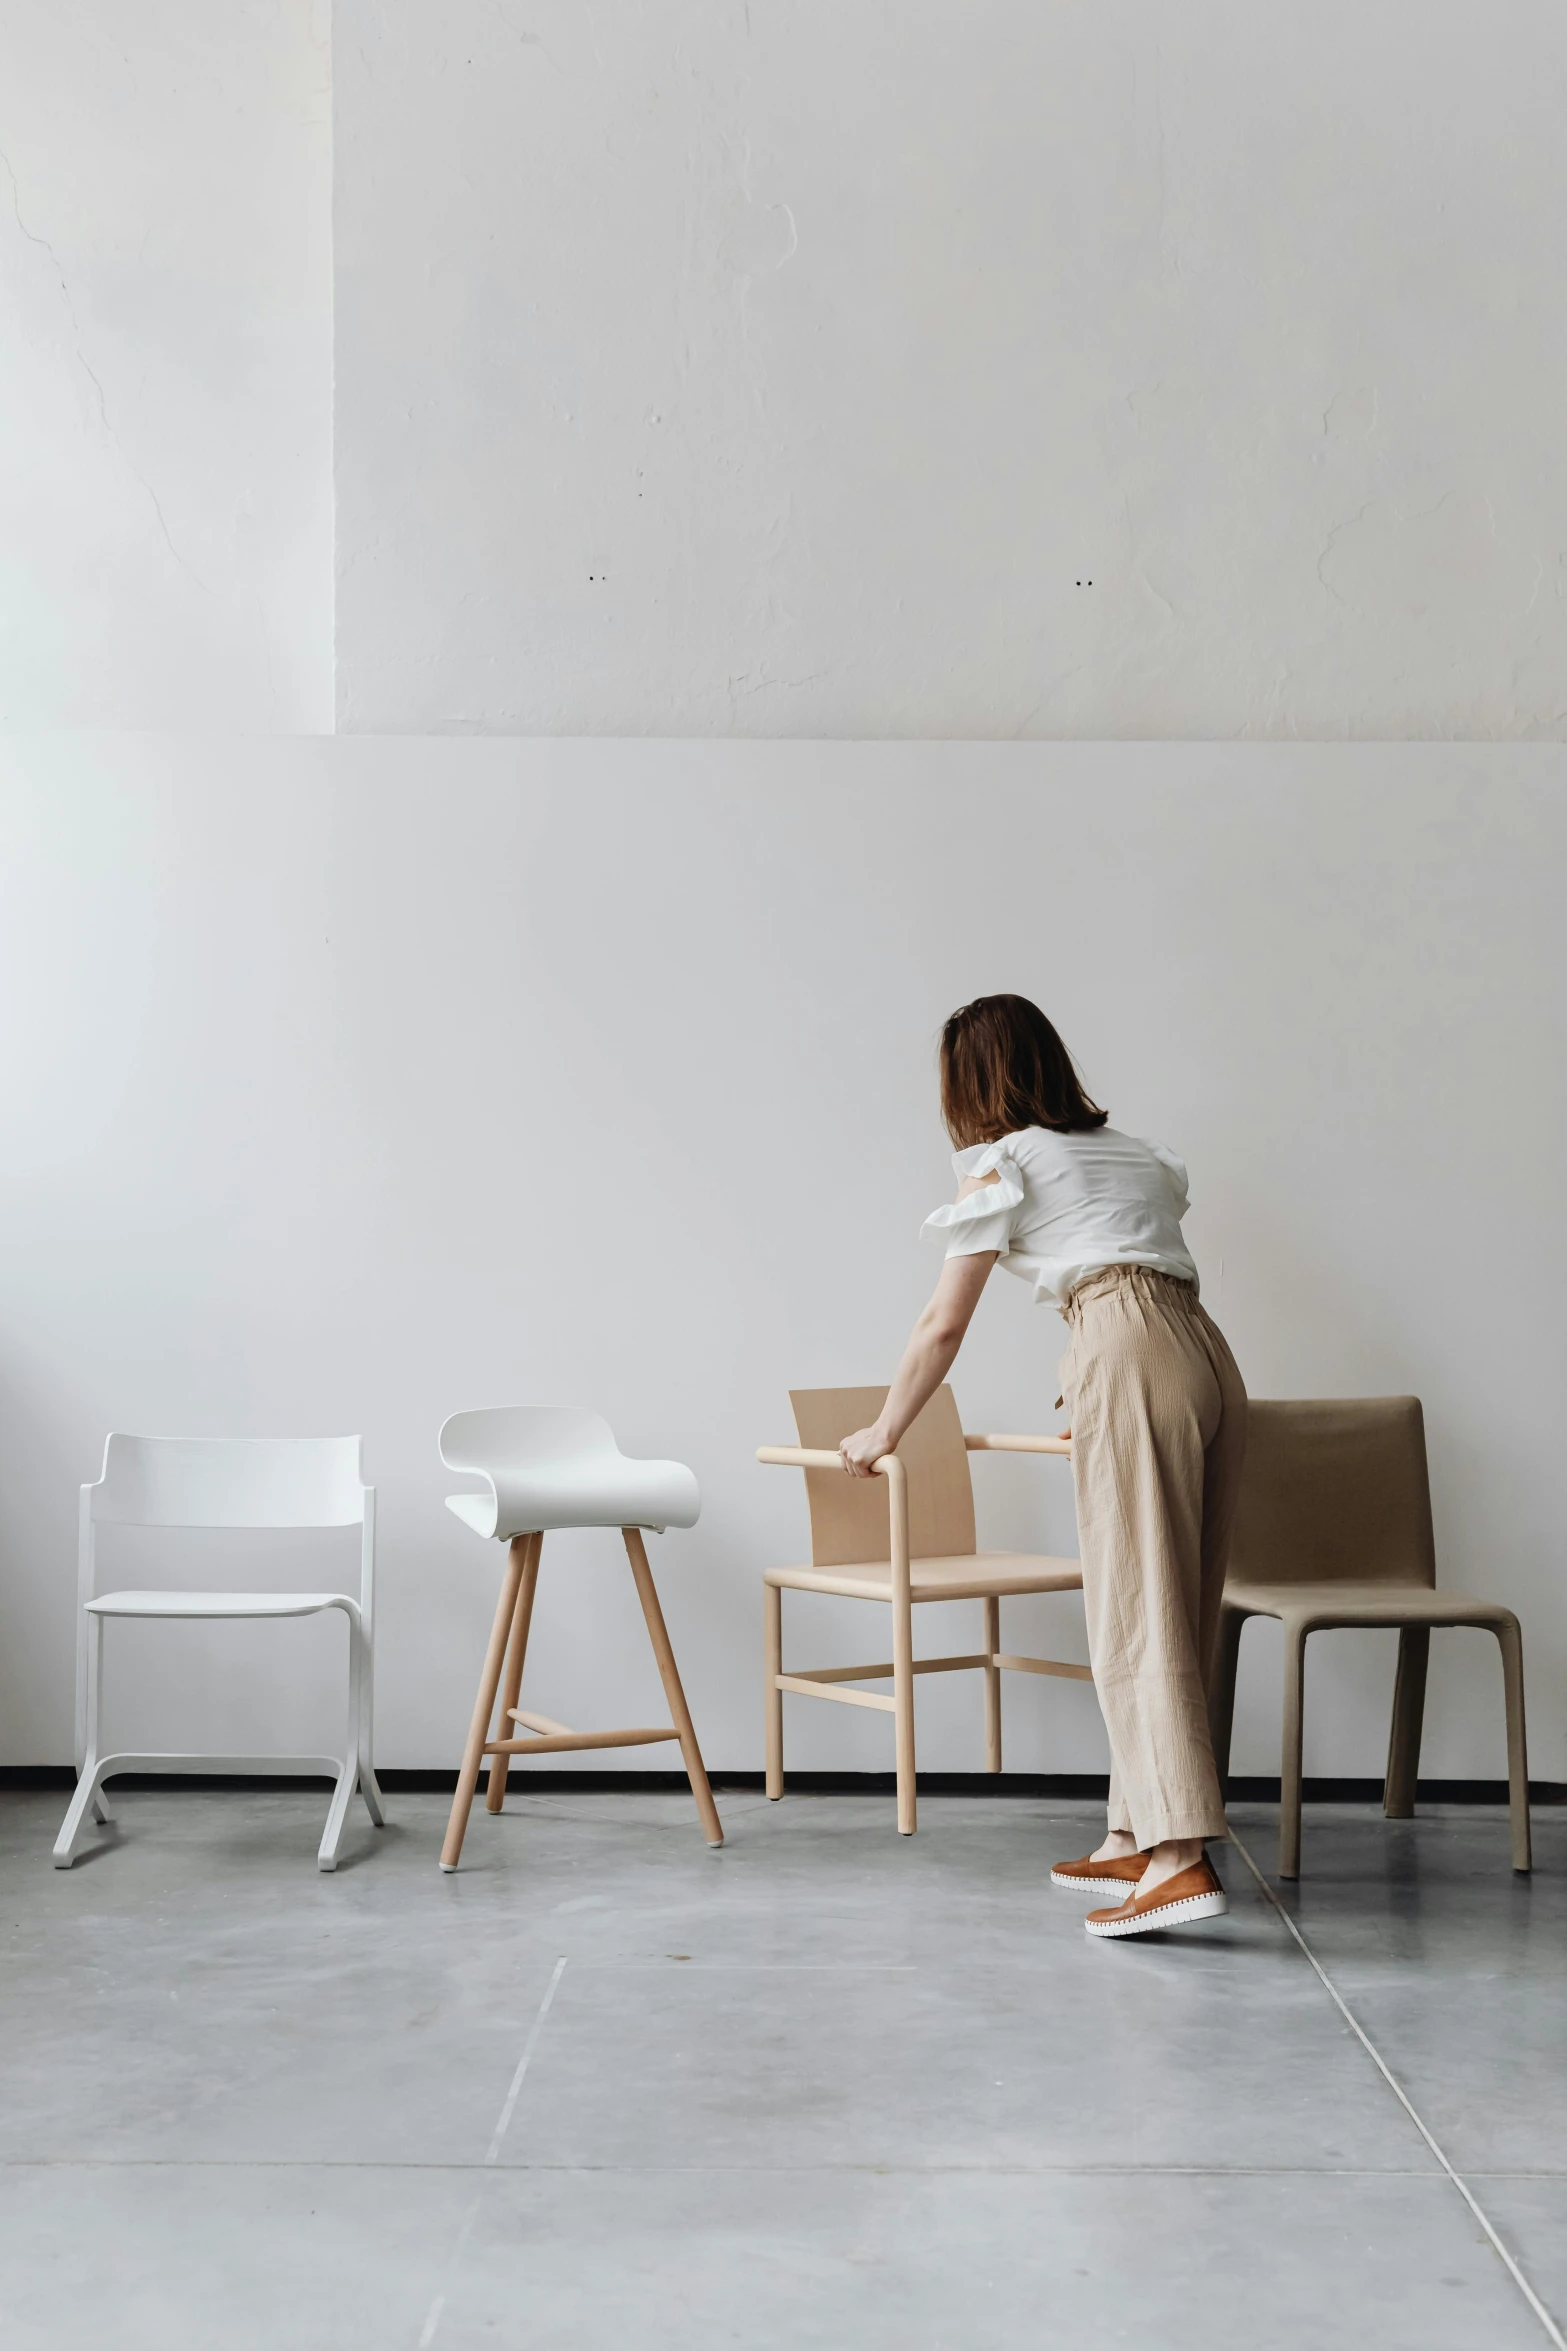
<point x="1092" y="1219"/>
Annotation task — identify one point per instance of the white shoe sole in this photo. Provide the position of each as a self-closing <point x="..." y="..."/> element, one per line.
<point x="1167" y="1914"/>
<point x="1091" y="1885"/>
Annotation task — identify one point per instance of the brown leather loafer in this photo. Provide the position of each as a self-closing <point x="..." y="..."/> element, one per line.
<point x="1092" y="1877"/>
<point x="1191" y="1894"/>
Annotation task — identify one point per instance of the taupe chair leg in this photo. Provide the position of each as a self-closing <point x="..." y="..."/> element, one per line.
<point x="903" y="1712"/>
<point x="772" y="1702"/>
<point x="1221" y="1688"/>
<point x="1409" y="1705"/>
<point x="1510" y="1641"/>
<point x="669" y="1673"/>
<point x="1290" y="1760"/>
<point x="484" y="1704"/>
<point x="992" y="1685"/>
<point x="511" y="1687"/>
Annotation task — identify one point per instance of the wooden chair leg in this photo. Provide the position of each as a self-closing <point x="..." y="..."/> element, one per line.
<point x="511" y="1686"/>
<point x="903" y="1712"/>
<point x="484" y="1704"/>
<point x="1221" y="1688"/>
<point x="992" y="1685"/>
<point x="1510" y="1641"/>
<point x="1290" y="1761"/>
<point x="1409" y="1706"/>
<point x="772" y="1703"/>
<point x="679" y="1712"/>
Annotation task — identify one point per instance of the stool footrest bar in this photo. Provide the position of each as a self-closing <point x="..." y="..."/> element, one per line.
<point x="562" y="1742"/>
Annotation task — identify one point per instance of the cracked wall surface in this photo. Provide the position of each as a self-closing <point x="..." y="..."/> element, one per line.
<point x="165" y="402"/>
<point x="733" y="367"/>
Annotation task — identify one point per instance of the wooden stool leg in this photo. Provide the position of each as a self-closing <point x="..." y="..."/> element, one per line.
<point x="511" y="1687"/>
<point x="484" y="1704"/>
<point x="992" y="1685"/>
<point x="1511" y="1642"/>
<point x="772" y="1703"/>
<point x="1409" y="1705"/>
<point x="679" y="1712"/>
<point x="1294" y="1733"/>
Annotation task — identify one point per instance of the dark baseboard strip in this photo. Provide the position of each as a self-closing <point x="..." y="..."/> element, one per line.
<point x="1077" y="1786"/>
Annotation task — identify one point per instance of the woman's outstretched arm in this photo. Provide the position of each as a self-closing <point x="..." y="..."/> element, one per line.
<point x="927" y="1359"/>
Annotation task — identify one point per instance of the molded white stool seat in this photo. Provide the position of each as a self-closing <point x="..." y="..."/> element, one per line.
<point x="282" y="1482"/>
<point x="546" y="1467"/>
<point x="549" y="1466"/>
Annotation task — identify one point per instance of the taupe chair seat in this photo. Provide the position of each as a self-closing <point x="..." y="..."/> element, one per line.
<point x="1326" y="1607"/>
<point x="1333" y="1530"/>
<point x="957" y="1577"/>
<point x="920" y="1507"/>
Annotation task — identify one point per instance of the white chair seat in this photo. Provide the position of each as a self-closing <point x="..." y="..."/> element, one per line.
<point x="217" y="1603"/>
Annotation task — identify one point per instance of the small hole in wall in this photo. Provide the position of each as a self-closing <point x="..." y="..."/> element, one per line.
<point x="1082" y="583"/>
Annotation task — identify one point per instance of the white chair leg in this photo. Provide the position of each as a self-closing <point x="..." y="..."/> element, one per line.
<point x="369" y="1785"/>
<point x="337" y="1813"/>
<point x="326" y="1855"/>
<point x="88" y="1799"/>
<point x="74" y="1827"/>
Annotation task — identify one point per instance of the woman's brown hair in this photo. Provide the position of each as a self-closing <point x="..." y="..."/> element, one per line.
<point x="1002" y="1068"/>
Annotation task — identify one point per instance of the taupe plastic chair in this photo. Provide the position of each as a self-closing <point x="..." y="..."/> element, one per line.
<point x="906" y="1535"/>
<point x="1334" y="1529"/>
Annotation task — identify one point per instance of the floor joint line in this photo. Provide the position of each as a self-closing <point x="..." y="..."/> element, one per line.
<point x="433" y="2316"/>
<point x="1391" y="2079"/>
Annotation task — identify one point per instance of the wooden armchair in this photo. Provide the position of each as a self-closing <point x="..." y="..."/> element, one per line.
<point x="906" y="1535"/>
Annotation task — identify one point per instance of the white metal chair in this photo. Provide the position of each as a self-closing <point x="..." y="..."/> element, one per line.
<point x="548" y="1466"/>
<point x="225" y="1482"/>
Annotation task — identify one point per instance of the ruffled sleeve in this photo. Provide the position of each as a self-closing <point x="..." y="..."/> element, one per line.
<point x="1175" y="1170"/>
<point x="984" y="1219"/>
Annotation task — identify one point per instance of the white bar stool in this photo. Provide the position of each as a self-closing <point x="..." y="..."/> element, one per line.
<point x="548" y="1466"/>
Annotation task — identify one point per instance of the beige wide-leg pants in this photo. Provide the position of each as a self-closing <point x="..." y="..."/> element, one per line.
<point x="1158" y="1418"/>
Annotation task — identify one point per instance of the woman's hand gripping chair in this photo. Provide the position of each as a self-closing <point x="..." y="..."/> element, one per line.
<point x="903" y="1536"/>
<point x="544" y="1467"/>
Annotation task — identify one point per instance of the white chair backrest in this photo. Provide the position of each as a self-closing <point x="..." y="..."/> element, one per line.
<point x="559" y="1438"/>
<point x="229" y="1482"/>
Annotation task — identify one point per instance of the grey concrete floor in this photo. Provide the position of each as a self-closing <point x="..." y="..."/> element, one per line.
<point x="606" y="2090"/>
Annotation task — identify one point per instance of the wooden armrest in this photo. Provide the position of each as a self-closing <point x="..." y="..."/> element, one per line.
<point x="807" y="1457"/>
<point x="1019" y="1445"/>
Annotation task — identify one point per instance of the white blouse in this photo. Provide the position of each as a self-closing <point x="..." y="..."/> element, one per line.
<point x="1065" y="1205"/>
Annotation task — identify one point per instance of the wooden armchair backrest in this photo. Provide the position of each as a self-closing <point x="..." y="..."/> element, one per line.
<point x="849" y="1515"/>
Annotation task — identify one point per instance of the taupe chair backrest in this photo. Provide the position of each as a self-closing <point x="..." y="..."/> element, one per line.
<point x="1335" y="1491"/>
<point x="849" y="1515"/>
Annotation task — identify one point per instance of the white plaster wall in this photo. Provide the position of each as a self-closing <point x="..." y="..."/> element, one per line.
<point x="165" y="402"/>
<point x="343" y="1084"/>
<point x="729" y="367"/>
